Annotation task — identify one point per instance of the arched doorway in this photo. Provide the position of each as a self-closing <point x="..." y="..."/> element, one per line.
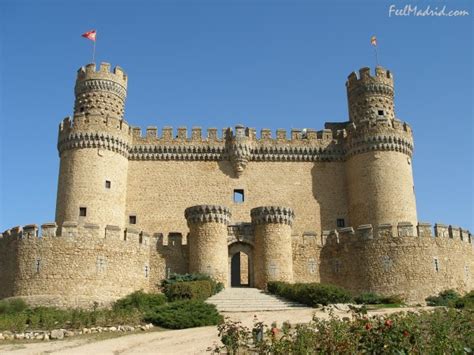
<point x="241" y="265"/>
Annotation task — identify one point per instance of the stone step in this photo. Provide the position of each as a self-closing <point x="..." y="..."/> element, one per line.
<point x="250" y="300"/>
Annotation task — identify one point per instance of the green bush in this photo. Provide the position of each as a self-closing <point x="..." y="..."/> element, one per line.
<point x="140" y="300"/>
<point x="189" y="290"/>
<point x="184" y="314"/>
<point x="176" y="278"/>
<point x="311" y="294"/>
<point x="374" y="298"/>
<point x="13" y="305"/>
<point x="443" y="331"/>
<point x="445" y="298"/>
<point x="467" y="301"/>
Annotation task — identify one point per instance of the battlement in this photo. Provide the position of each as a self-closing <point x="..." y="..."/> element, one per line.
<point x="89" y="72"/>
<point x="195" y="135"/>
<point x="75" y="231"/>
<point x="382" y="76"/>
<point x="401" y="230"/>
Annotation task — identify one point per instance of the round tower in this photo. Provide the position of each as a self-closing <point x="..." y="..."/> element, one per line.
<point x="93" y="149"/>
<point x="273" y="249"/>
<point x="207" y="241"/>
<point x="378" y="148"/>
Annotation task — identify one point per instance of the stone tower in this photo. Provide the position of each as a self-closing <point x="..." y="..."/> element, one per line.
<point x="208" y="240"/>
<point x="93" y="149"/>
<point x="272" y="244"/>
<point x="378" y="149"/>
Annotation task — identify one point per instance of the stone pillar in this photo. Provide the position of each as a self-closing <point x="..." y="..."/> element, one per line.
<point x="208" y="241"/>
<point x="273" y="250"/>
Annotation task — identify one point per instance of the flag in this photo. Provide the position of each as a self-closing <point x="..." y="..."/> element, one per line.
<point x="373" y="41"/>
<point x="90" y="35"/>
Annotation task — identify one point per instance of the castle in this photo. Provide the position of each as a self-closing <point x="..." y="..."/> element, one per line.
<point x="334" y="206"/>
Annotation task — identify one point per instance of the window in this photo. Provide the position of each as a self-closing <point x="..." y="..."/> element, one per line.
<point x="38" y="265"/>
<point x="436" y="264"/>
<point x="82" y="211"/>
<point x="132" y="219"/>
<point x="341" y="223"/>
<point x="380" y="112"/>
<point x="101" y="263"/>
<point x="108" y="184"/>
<point x="147" y="270"/>
<point x="238" y="196"/>
<point x="312" y="265"/>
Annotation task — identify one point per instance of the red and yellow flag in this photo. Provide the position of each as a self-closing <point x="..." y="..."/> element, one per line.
<point x="90" y="35"/>
<point x="373" y="41"/>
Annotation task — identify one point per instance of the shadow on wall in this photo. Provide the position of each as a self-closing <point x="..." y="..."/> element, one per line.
<point x="329" y="190"/>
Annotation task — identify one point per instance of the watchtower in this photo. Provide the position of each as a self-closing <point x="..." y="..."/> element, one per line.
<point x="93" y="147"/>
<point x="378" y="149"/>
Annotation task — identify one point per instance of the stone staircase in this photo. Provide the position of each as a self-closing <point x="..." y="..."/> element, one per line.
<point x="242" y="299"/>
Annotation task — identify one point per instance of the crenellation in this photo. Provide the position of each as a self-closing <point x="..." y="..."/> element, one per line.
<point x="296" y="134"/>
<point x="69" y="229"/>
<point x="196" y="134"/>
<point x="113" y="232"/>
<point x="16" y="232"/>
<point x="365" y="231"/>
<point x="385" y="230"/>
<point x="265" y="134"/>
<point x="30" y="231"/>
<point x="441" y="230"/>
<point x="132" y="236"/>
<point x="151" y="133"/>
<point x="212" y="135"/>
<point x="425" y="230"/>
<point x="405" y="229"/>
<point x="167" y="134"/>
<point x="182" y="134"/>
<point x="454" y="232"/>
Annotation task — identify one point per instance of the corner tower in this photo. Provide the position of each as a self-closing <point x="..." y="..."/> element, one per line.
<point x="93" y="147"/>
<point x="378" y="149"/>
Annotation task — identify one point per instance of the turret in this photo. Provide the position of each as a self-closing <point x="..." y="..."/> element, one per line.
<point x="208" y="241"/>
<point x="273" y="249"/>
<point x="100" y="92"/>
<point x="93" y="148"/>
<point x="370" y="97"/>
<point x="378" y="149"/>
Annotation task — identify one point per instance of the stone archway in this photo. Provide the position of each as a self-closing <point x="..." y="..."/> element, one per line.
<point x="241" y="265"/>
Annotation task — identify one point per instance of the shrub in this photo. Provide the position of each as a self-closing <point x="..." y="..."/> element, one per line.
<point x="467" y="301"/>
<point x="13" y="305"/>
<point x="445" y="298"/>
<point x="439" y="332"/>
<point x="374" y="298"/>
<point x="311" y="294"/>
<point x="184" y="314"/>
<point x="190" y="290"/>
<point x="175" y="278"/>
<point x="140" y="300"/>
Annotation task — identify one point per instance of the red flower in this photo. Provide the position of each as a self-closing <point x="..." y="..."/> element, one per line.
<point x="368" y="326"/>
<point x="388" y="323"/>
<point x="405" y="333"/>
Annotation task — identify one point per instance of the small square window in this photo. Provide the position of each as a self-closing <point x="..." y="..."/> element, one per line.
<point x="341" y="223"/>
<point x="82" y="211"/>
<point x="380" y="112"/>
<point x="132" y="219"/>
<point x="108" y="184"/>
<point x="238" y="196"/>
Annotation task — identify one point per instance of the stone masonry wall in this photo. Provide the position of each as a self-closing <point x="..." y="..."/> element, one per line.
<point x="399" y="260"/>
<point x="81" y="266"/>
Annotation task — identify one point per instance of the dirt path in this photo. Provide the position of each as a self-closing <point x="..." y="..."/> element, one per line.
<point x="182" y="342"/>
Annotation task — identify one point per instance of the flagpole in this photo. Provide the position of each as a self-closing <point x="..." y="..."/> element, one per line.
<point x="93" y="53"/>
<point x="376" y="56"/>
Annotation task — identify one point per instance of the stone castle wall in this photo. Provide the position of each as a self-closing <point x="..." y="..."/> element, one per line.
<point x="399" y="260"/>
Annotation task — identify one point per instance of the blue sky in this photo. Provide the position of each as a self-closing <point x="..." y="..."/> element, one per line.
<point x="262" y="63"/>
